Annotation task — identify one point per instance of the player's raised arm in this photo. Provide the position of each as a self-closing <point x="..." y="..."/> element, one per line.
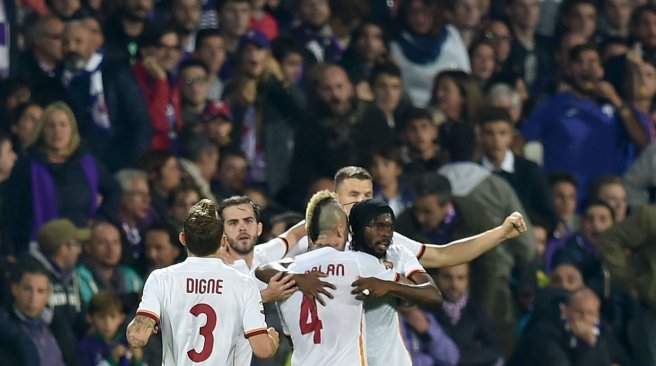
<point x="265" y="344"/>
<point x="139" y="330"/>
<point x="464" y="250"/>
<point x="293" y="235"/>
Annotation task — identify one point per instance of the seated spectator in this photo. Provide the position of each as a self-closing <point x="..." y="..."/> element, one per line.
<point x="185" y="17"/>
<point x="526" y="178"/>
<point x="57" y="254"/>
<point x="565" y="279"/>
<point x="16" y="347"/>
<point x="159" y="51"/>
<point x="164" y="176"/>
<point x="210" y="49"/>
<point x="581" y="249"/>
<point x="112" y="112"/>
<point x="420" y="136"/>
<point x="314" y="32"/>
<point x="234" y="20"/>
<point x="193" y="82"/>
<point x="463" y="320"/>
<point x="107" y="344"/>
<point x="612" y="133"/>
<point x="386" y="169"/>
<point x="498" y="32"/>
<point x="134" y="213"/>
<point x="387" y="89"/>
<point x="124" y="27"/>
<point x="425" y="339"/>
<point x="41" y="62"/>
<point x="367" y="49"/>
<point x="627" y="251"/>
<point x="290" y="55"/>
<point x="100" y="270"/>
<point x="564" y="192"/>
<point x="64" y="9"/>
<point x="22" y="122"/>
<point x="199" y="163"/>
<point x="280" y="223"/>
<point x="13" y="92"/>
<point x="541" y="234"/>
<point x="639" y="179"/>
<point x="231" y="175"/>
<point x="483" y="62"/>
<point x="457" y="95"/>
<point x="180" y="201"/>
<point x="610" y="189"/>
<point x="30" y="289"/>
<point x="426" y="46"/>
<point x="614" y="18"/>
<point x="162" y="246"/>
<point x="579" y="337"/>
<point x="58" y="178"/>
<point x="263" y="21"/>
<point x="467" y="18"/>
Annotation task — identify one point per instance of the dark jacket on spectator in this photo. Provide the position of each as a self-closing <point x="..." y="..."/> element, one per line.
<point x="46" y="345"/>
<point x="473" y="335"/>
<point x="67" y="320"/>
<point x="325" y="143"/>
<point x="548" y="344"/>
<point x="16" y="347"/>
<point x="129" y="134"/>
<point x="75" y="182"/>
<point x="46" y="87"/>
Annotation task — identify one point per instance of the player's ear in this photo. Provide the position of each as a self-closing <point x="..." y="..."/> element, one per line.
<point x="181" y="237"/>
<point x="259" y="228"/>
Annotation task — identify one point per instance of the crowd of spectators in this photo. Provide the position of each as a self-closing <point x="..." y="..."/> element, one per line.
<point x="116" y="116"/>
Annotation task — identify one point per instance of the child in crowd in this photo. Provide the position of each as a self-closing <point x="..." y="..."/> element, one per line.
<point x="107" y="345"/>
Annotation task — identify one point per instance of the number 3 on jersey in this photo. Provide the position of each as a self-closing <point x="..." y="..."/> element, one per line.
<point x="205" y="331"/>
<point x="309" y="321"/>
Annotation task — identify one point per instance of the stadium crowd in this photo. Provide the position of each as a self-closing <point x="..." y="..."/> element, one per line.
<point x="117" y="116"/>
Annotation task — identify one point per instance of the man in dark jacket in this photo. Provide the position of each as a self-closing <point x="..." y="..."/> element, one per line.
<point x="579" y="338"/>
<point x="105" y="97"/>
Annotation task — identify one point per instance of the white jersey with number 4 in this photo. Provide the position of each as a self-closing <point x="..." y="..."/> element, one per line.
<point x="332" y="334"/>
<point x="202" y="306"/>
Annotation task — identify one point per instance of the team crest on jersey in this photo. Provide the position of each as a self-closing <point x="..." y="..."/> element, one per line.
<point x="388" y="264"/>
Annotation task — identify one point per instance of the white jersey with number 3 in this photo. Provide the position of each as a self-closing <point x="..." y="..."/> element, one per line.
<point x="202" y="307"/>
<point x="332" y="334"/>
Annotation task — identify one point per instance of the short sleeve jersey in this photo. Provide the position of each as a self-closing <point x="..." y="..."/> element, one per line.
<point x="331" y="334"/>
<point x="271" y="251"/>
<point x="384" y="342"/>
<point x="202" y="306"/>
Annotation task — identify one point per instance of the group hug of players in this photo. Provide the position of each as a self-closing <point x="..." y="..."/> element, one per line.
<point x="337" y="279"/>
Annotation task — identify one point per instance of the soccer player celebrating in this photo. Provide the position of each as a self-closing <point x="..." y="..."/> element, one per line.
<point x="333" y="334"/>
<point x="202" y="305"/>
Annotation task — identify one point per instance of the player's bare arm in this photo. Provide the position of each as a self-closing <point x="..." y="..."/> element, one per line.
<point x="294" y="234"/>
<point x="422" y="291"/>
<point x="465" y="250"/>
<point x="139" y="331"/>
<point x="265" y="345"/>
<point x="309" y="283"/>
<point x="279" y="288"/>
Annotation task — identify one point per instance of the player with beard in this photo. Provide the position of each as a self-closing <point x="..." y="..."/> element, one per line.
<point x="372" y="226"/>
<point x="242" y="229"/>
<point x="332" y="334"/>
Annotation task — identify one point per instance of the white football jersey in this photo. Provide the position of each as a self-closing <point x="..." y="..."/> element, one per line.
<point x="413" y="246"/>
<point x="385" y="344"/>
<point x="332" y="334"/>
<point x="202" y="307"/>
<point x="271" y="251"/>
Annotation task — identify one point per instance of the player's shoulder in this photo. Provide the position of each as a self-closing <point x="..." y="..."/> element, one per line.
<point x="398" y="251"/>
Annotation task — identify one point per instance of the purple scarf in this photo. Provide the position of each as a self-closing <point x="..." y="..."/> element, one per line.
<point x="453" y="310"/>
<point x="44" y="191"/>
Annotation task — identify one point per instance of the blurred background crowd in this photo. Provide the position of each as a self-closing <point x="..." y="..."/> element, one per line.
<point x="117" y="115"/>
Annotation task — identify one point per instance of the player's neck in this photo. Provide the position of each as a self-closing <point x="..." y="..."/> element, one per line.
<point x="234" y="256"/>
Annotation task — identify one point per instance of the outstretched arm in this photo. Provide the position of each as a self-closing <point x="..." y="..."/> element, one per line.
<point x="139" y="331"/>
<point x="464" y="250"/>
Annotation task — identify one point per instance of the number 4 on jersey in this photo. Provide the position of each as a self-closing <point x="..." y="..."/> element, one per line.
<point x="309" y="321"/>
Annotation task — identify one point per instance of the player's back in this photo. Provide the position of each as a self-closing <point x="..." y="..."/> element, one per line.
<point x="204" y="307"/>
<point x="331" y="334"/>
